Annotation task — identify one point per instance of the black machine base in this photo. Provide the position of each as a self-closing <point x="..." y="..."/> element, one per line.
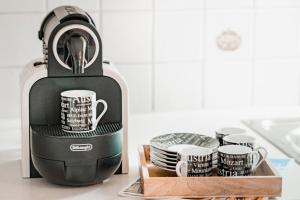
<point x="76" y="159"/>
<point x="57" y="172"/>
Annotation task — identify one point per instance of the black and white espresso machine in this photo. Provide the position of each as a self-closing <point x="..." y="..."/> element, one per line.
<point x="72" y="60"/>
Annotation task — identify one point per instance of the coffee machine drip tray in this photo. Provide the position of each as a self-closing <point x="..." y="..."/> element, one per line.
<point x="56" y="131"/>
<point x="81" y="158"/>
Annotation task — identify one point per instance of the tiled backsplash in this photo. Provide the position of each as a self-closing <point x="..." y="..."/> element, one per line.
<point x="175" y="54"/>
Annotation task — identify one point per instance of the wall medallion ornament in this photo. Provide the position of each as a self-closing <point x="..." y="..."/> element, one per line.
<point x="228" y="40"/>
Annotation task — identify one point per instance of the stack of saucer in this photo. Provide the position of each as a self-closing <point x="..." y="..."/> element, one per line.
<point x="164" y="148"/>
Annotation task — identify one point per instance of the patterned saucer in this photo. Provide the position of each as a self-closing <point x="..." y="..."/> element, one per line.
<point x="163" y="165"/>
<point x="164" y="168"/>
<point x="163" y="160"/>
<point x="173" y="142"/>
<point x="163" y="153"/>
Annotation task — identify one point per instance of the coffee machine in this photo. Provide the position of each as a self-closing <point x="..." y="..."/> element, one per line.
<point x="72" y="59"/>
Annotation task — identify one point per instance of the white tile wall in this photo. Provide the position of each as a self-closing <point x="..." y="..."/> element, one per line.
<point x="178" y="86"/>
<point x="13" y="6"/>
<point x="140" y="87"/>
<point x="127" y="36"/>
<point x="127" y="4"/>
<point x="167" y="50"/>
<point x="227" y="84"/>
<point x="9" y="87"/>
<point x="88" y="5"/>
<point x="230" y="4"/>
<point x="19" y="38"/>
<point x="277" y="82"/>
<point x="178" y="35"/>
<point x="277" y="33"/>
<point x="179" y="4"/>
<point x="277" y="3"/>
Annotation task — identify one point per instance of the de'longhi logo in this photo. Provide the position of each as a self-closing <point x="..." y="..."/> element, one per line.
<point x="81" y="147"/>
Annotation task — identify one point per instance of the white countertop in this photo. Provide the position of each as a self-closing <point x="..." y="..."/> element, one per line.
<point x="141" y="129"/>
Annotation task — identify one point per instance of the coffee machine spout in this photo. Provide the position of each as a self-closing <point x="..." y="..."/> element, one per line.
<point x="76" y="46"/>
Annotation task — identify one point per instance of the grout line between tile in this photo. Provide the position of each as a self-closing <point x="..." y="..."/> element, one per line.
<point x="46" y="5"/>
<point x="33" y="12"/>
<point x="22" y="12"/>
<point x="177" y="61"/>
<point x="204" y="58"/>
<point x="252" y="100"/>
<point x="153" y="107"/>
<point x="127" y="10"/>
<point x="159" y="62"/>
<point x="148" y="10"/>
<point x="139" y="10"/>
<point x="298" y="88"/>
<point x="11" y="67"/>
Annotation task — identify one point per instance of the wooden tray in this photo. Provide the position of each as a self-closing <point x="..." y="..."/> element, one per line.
<point x="160" y="183"/>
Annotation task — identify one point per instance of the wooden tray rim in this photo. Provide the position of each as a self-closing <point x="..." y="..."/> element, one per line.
<point x="145" y="177"/>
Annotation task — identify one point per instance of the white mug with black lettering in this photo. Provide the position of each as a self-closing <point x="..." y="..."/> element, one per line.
<point x="238" y="160"/>
<point x="79" y="109"/>
<point x="194" y="161"/>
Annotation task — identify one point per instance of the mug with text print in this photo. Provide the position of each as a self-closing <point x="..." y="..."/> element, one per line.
<point x="238" y="160"/>
<point x="194" y="161"/>
<point x="79" y="109"/>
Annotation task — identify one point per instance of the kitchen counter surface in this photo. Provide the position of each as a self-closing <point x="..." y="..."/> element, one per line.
<point x="141" y="128"/>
